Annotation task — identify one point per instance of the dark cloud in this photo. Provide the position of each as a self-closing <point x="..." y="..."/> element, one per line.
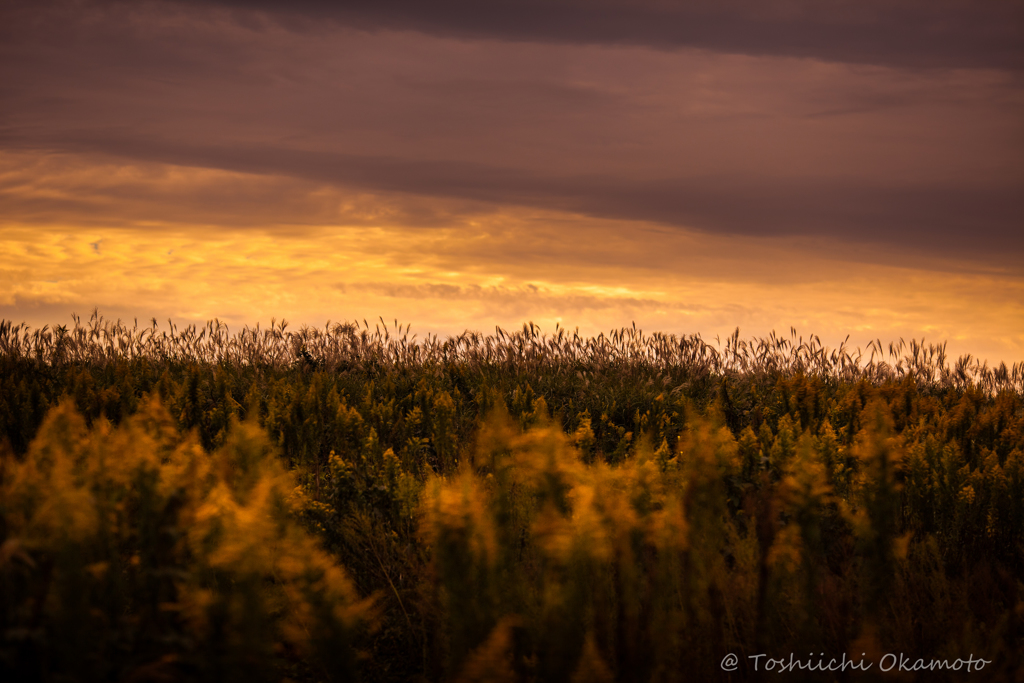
<point x="919" y="33"/>
<point x="929" y="218"/>
<point x="905" y="33"/>
<point x="923" y="159"/>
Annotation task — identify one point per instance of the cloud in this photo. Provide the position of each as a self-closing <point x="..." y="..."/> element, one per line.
<point x="103" y="190"/>
<point x="917" y="33"/>
<point x="925" y="160"/>
<point x="839" y="167"/>
<point x="566" y="269"/>
<point x="87" y="192"/>
<point x="934" y="218"/>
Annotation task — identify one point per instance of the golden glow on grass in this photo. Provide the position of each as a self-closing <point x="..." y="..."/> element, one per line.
<point x="449" y="267"/>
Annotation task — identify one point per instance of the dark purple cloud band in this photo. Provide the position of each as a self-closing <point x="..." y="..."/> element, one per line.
<point x="917" y="33"/>
<point x="930" y="159"/>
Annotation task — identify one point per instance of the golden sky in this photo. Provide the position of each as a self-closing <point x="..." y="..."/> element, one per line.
<point x="217" y="160"/>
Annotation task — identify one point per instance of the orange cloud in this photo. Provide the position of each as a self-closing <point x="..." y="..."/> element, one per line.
<point x="448" y="266"/>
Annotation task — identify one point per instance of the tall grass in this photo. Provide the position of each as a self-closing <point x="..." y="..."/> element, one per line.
<point x="130" y="554"/>
<point x="517" y="506"/>
<point x="342" y="346"/>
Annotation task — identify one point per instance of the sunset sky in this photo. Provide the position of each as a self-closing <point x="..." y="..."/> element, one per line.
<point x="844" y="167"/>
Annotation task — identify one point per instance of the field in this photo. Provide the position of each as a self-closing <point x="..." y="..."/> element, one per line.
<point x="351" y="503"/>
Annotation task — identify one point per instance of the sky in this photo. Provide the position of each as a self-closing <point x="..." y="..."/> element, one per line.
<point x="846" y="168"/>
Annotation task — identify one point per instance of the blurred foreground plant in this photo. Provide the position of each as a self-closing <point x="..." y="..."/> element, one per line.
<point x="132" y="554"/>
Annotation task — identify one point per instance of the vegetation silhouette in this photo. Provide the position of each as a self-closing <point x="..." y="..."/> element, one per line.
<point x="351" y="503"/>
